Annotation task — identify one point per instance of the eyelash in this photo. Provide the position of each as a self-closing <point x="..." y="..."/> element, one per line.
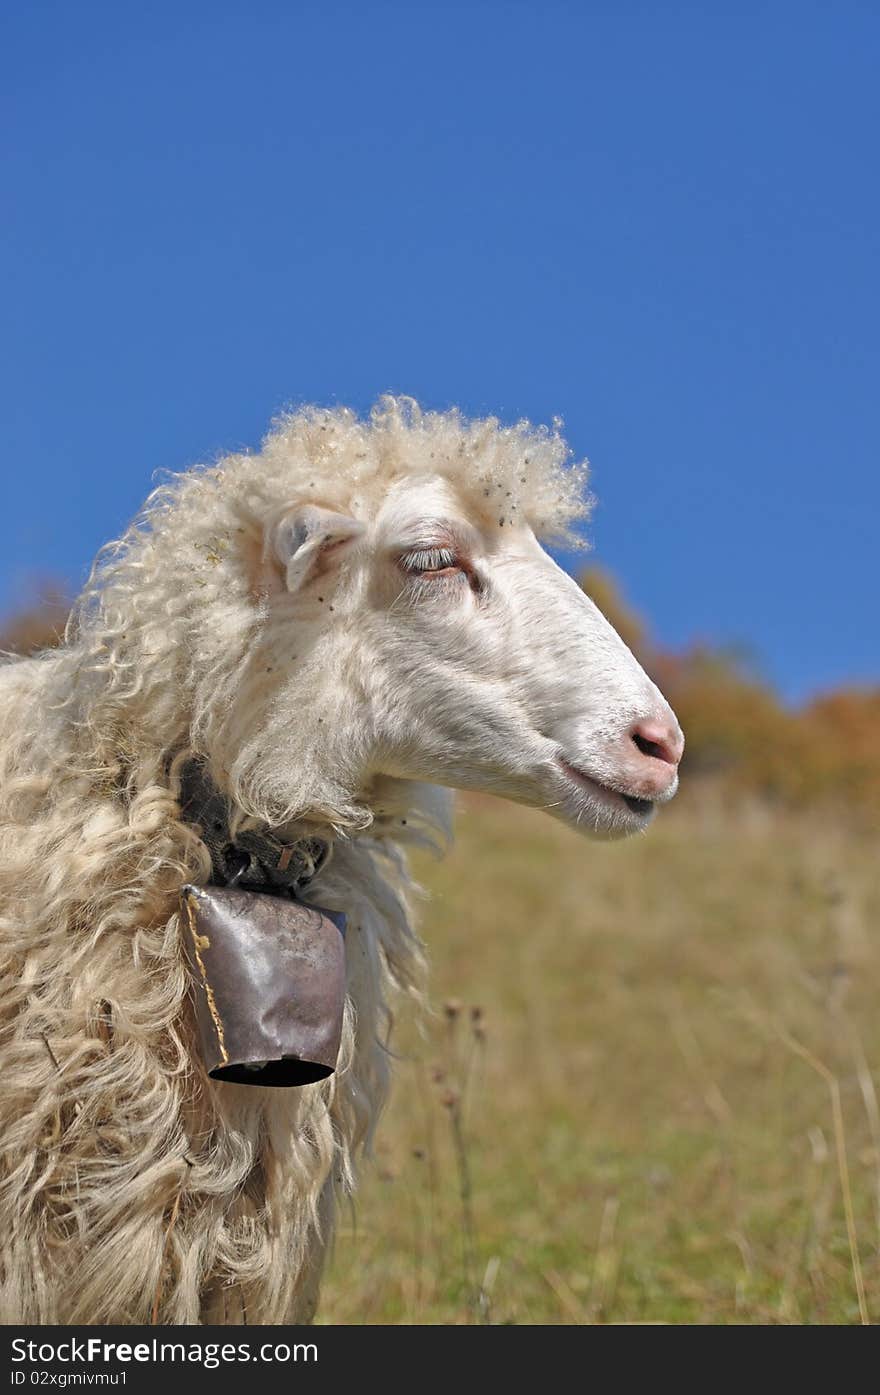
<point x="432" y="559"/>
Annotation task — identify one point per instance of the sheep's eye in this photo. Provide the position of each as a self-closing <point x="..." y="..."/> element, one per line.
<point x="430" y="561"/>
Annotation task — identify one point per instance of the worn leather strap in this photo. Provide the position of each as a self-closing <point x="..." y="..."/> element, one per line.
<point x="254" y="859"/>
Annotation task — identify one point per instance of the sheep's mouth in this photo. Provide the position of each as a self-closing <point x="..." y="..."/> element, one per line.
<point x="642" y="808"/>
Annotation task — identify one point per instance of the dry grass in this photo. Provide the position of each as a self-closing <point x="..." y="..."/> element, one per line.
<point x="652" y="1096"/>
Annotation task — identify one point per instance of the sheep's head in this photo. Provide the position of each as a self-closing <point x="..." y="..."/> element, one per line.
<point x="437" y="642"/>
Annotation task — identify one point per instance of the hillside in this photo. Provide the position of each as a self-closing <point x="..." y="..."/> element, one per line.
<point x="647" y="1131"/>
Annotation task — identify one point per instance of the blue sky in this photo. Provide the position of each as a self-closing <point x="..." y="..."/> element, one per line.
<point x="658" y="221"/>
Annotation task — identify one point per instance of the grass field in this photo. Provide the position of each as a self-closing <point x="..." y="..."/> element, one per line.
<point x="648" y="1091"/>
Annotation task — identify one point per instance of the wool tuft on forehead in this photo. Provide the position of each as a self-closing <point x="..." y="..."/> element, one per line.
<point x="509" y="474"/>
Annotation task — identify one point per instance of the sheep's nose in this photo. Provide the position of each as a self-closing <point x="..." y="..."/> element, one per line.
<point x="659" y="740"/>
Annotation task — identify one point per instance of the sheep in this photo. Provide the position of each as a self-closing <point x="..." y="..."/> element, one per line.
<point x="342" y="627"/>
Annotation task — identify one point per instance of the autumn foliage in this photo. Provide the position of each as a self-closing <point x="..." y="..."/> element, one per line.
<point x="37" y="625"/>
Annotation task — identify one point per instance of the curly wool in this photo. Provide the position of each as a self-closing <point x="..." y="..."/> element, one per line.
<point x="132" y="1187"/>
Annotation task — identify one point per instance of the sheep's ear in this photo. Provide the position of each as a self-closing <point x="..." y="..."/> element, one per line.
<point x="310" y="542"/>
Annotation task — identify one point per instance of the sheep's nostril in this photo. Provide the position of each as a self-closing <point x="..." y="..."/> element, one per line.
<point x="650" y="748"/>
<point x="658" y="742"/>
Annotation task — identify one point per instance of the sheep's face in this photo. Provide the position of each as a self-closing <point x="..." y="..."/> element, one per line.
<point x="436" y="646"/>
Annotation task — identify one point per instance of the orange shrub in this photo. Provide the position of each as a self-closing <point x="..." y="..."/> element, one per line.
<point x="39" y="625"/>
